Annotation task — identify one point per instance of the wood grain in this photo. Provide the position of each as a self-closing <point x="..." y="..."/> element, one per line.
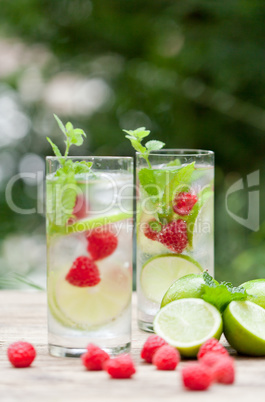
<point x="23" y="317"/>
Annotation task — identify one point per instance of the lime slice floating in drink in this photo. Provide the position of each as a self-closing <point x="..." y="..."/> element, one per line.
<point x="187" y="323"/>
<point x="89" y="307"/>
<point x="244" y="327"/>
<point x="159" y="272"/>
<point x="146" y="245"/>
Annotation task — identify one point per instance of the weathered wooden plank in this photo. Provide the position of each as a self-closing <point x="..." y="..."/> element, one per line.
<point x="23" y="316"/>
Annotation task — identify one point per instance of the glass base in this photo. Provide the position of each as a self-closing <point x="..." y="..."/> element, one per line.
<point x="145" y="326"/>
<point x="62" y="351"/>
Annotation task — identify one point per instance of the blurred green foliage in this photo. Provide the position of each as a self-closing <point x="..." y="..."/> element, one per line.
<point x="191" y="71"/>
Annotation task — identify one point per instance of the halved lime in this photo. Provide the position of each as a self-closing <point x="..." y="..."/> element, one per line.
<point x="188" y="286"/>
<point x="159" y="272"/>
<point x="256" y="291"/>
<point x="244" y="327"/>
<point x="187" y="323"/>
<point x="89" y="307"/>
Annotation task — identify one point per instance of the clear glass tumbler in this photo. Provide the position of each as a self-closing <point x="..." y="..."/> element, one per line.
<point x="175" y="226"/>
<point x="89" y="255"/>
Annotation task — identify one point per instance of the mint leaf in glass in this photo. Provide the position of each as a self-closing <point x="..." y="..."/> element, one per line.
<point x="63" y="189"/>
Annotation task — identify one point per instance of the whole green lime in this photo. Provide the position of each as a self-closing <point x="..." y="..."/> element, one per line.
<point x="256" y="291"/>
<point x="185" y="287"/>
<point x="244" y="327"/>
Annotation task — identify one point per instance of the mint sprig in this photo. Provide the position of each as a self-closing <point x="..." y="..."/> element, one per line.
<point x="62" y="192"/>
<point x="136" y="137"/>
<point x="221" y="294"/>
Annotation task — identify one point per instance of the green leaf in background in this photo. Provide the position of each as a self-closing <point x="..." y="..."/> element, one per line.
<point x="221" y="294"/>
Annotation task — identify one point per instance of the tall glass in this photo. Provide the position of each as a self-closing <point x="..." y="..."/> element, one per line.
<point x="89" y="255"/>
<point x="175" y="228"/>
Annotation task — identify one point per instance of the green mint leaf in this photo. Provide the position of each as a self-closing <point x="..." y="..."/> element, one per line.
<point x="55" y="148"/>
<point x="208" y="279"/>
<point x="82" y="167"/>
<point x="175" y="162"/>
<point x="60" y="200"/>
<point x="179" y="182"/>
<point x="148" y="182"/>
<point x="154" y="145"/>
<point x="60" y="124"/>
<point x="136" y="145"/>
<point x="221" y="294"/>
<point x="156" y="226"/>
<point x="139" y="133"/>
<point x="74" y="136"/>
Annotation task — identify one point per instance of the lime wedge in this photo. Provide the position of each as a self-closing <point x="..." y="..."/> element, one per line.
<point x="159" y="272"/>
<point x="256" y="291"/>
<point x="200" y="220"/>
<point x="189" y="286"/>
<point x="85" y="308"/>
<point x="244" y="327"/>
<point x="146" y="245"/>
<point x="187" y="323"/>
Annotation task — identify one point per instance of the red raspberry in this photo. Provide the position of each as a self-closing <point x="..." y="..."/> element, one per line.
<point x="184" y="202"/>
<point x="212" y="345"/>
<point x="151" y="229"/>
<point x="101" y="243"/>
<point x="120" y="367"/>
<point x="196" y="377"/>
<point x="166" y="358"/>
<point x="174" y="236"/>
<point x="224" y="370"/>
<point x="210" y="359"/>
<point x="95" y="358"/>
<point x="21" y="354"/>
<point x="84" y="272"/>
<point x="151" y="345"/>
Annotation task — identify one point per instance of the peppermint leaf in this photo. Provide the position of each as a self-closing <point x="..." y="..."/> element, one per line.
<point x="154" y="145"/>
<point x="179" y="182"/>
<point x="148" y="181"/>
<point x="60" y="124"/>
<point x="55" y="148"/>
<point x="139" y="133"/>
<point x="136" y="144"/>
<point x="221" y="294"/>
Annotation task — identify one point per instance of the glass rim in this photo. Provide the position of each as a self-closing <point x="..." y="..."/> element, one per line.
<point x="56" y="158"/>
<point x="180" y="152"/>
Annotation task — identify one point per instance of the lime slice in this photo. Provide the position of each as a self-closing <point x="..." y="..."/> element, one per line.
<point x="200" y="220"/>
<point x="159" y="272"/>
<point x="256" y="291"/>
<point x="88" y="307"/>
<point x="146" y="245"/>
<point x="187" y="323"/>
<point x="186" y="287"/>
<point x="244" y="327"/>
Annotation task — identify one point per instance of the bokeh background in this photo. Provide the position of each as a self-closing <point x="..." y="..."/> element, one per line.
<point x="191" y="71"/>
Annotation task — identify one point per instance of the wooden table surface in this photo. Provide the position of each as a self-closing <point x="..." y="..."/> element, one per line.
<point x="23" y="317"/>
